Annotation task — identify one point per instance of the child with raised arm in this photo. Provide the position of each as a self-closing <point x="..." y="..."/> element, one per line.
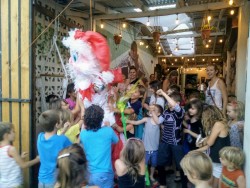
<point x="232" y="159"/>
<point x="48" y="145"/>
<point x="151" y="136"/>
<point x="97" y="141"/>
<point x="171" y="143"/>
<point x="10" y="160"/>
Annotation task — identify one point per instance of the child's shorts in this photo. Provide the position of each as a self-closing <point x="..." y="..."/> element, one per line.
<point x="217" y="170"/>
<point x="151" y="158"/>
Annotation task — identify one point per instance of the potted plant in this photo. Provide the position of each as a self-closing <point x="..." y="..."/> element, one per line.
<point x="117" y="38"/>
<point x="156" y="36"/>
<point x="206" y="30"/>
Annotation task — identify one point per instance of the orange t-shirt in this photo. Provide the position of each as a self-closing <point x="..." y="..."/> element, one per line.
<point x="229" y="178"/>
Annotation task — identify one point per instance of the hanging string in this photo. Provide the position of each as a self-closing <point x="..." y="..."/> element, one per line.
<point x="41" y="33"/>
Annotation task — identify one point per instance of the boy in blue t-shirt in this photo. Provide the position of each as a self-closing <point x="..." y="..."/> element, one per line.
<point x="49" y="144"/>
<point x="170" y="144"/>
<point x="97" y="141"/>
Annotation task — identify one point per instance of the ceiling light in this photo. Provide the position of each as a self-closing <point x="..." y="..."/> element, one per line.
<point x="232" y="12"/>
<point x="213" y="59"/>
<point x="148" y="23"/>
<point x="159" y="47"/>
<point x="157" y="43"/>
<point x="203" y="59"/>
<point x="159" y="51"/>
<point x="209" y="40"/>
<point x="147" y="46"/>
<point x="221" y="40"/>
<point x="217" y="59"/>
<point x="137" y="10"/>
<point x="188" y="59"/>
<point x="191" y="69"/>
<point x="124" y="25"/>
<point x="193" y="59"/>
<point x="207" y="46"/>
<point x="102" y="25"/>
<point x="175" y="60"/>
<point x="209" y="18"/>
<point x="182" y="57"/>
<point x="172" y="64"/>
<point x="230" y="2"/>
<point x="171" y="55"/>
<point x="177" y="20"/>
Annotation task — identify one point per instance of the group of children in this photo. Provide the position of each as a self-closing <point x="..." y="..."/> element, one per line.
<point x="200" y="141"/>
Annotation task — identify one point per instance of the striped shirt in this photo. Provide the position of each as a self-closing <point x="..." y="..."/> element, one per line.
<point x="172" y="125"/>
<point x="10" y="171"/>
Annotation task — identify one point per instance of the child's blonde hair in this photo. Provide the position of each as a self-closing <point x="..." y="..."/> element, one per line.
<point x="238" y="108"/>
<point x="211" y="115"/>
<point x="65" y="115"/>
<point x="5" y="127"/>
<point x="132" y="154"/>
<point x="233" y="155"/>
<point x="197" y="164"/>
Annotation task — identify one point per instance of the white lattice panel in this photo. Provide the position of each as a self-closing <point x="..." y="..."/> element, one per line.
<point x="45" y="64"/>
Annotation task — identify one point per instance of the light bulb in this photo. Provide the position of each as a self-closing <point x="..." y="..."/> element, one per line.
<point x="147" y="46"/>
<point x="148" y="23"/>
<point x="209" y="18"/>
<point x="231" y="2"/>
<point x="102" y="25"/>
<point x="232" y="12"/>
<point x="124" y="25"/>
<point x="177" y="20"/>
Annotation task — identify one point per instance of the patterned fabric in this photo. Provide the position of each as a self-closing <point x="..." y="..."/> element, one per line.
<point x="235" y="137"/>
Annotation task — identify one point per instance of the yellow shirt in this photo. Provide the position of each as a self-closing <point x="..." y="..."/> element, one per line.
<point x="71" y="133"/>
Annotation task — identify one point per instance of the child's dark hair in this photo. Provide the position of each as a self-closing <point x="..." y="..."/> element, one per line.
<point x="93" y="117"/>
<point x="176" y="96"/>
<point x="175" y="88"/>
<point x="159" y="107"/>
<point x="155" y="85"/>
<point x="5" y="127"/>
<point x="132" y="67"/>
<point x="142" y="90"/>
<point x="55" y="104"/>
<point x="198" y="104"/>
<point x="72" y="166"/>
<point x="70" y="89"/>
<point x="194" y="95"/>
<point x="49" y="119"/>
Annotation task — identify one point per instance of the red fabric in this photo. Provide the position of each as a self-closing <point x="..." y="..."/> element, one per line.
<point x="99" y="46"/>
<point x="116" y="150"/>
<point x="87" y="93"/>
<point x="117" y="75"/>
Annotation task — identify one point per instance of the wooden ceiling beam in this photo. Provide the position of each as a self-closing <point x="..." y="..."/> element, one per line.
<point x="195" y="55"/>
<point x="99" y="7"/>
<point x="179" y="36"/>
<point x="163" y="12"/>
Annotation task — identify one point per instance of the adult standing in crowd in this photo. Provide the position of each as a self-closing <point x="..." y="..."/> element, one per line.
<point x="170" y="80"/>
<point x="132" y="77"/>
<point x="216" y="93"/>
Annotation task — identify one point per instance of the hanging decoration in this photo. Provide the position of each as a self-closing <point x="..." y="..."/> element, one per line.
<point x="156" y="33"/>
<point x="117" y="38"/>
<point x="206" y="28"/>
